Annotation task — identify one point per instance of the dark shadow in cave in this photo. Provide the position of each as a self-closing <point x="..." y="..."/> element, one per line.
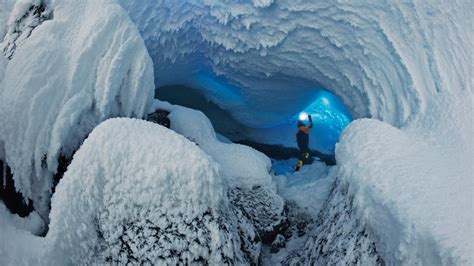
<point x="12" y="199"/>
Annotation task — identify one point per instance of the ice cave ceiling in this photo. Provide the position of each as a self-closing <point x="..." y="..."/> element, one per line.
<point x="272" y="56"/>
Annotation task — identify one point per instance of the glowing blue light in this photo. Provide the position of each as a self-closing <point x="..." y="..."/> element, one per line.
<point x="303" y="116"/>
<point x="330" y="117"/>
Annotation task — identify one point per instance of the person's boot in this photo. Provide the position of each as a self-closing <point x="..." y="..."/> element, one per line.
<point x="298" y="165"/>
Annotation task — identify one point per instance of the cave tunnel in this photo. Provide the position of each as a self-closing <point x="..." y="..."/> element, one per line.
<point x="277" y="138"/>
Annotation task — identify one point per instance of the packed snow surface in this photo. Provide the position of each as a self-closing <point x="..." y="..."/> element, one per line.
<point x="71" y="73"/>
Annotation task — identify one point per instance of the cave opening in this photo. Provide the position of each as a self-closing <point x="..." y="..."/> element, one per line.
<point x="277" y="140"/>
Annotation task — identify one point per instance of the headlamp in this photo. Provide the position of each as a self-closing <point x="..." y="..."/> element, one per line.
<point x="303" y="116"/>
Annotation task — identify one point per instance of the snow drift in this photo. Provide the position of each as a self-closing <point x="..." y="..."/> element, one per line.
<point x="66" y="76"/>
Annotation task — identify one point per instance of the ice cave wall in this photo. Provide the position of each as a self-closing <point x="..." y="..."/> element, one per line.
<point x="77" y="68"/>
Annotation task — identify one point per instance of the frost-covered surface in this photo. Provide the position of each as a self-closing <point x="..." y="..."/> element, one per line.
<point x="71" y="73"/>
<point x="263" y="208"/>
<point x="7" y="6"/>
<point x="138" y="192"/>
<point x="24" y="18"/>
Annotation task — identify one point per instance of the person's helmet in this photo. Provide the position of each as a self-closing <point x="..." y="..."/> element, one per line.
<point x="301" y="119"/>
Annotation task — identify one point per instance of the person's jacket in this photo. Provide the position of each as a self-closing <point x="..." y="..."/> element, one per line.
<point x="302" y="136"/>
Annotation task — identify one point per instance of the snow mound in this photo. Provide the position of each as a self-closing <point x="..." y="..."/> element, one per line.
<point x="251" y="189"/>
<point x="409" y="194"/>
<point x="137" y="192"/>
<point x="32" y="223"/>
<point x="72" y="72"/>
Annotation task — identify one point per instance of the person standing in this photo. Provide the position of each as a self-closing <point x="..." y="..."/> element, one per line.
<point x="302" y="139"/>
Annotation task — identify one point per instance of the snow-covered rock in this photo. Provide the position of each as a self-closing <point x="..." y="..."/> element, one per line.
<point x="245" y="170"/>
<point x="137" y="192"/>
<point x="79" y="68"/>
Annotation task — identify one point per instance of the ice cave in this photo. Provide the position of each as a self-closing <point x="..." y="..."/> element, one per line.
<point x="250" y="132"/>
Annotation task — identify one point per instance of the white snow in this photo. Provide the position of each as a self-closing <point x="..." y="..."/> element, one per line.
<point x="71" y="73"/>
<point x="242" y="166"/>
<point x="308" y="188"/>
<point x="262" y="3"/>
<point x="7" y="6"/>
<point x="18" y="246"/>
<point x="3" y="66"/>
<point x="32" y="223"/>
<point x="135" y="174"/>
